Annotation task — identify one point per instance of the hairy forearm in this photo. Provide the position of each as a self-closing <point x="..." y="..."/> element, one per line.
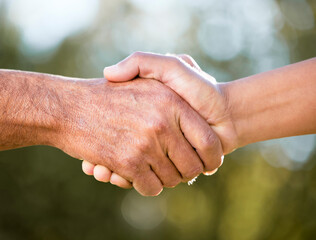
<point x="32" y="108"/>
<point x="275" y="104"/>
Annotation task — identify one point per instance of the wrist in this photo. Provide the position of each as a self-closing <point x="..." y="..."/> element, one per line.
<point x="51" y="114"/>
<point x="77" y="97"/>
<point x="266" y="106"/>
<point x="68" y="96"/>
<point x="23" y="102"/>
<point x="45" y="111"/>
<point x="240" y="97"/>
<point x="230" y="132"/>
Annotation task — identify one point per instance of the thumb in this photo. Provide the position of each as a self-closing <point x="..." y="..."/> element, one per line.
<point x="137" y="64"/>
<point x="188" y="82"/>
<point x="180" y="73"/>
<point x="123" y="71"/>
<point x="144" y="65"/>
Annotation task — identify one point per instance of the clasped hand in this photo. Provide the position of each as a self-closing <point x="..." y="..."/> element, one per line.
<point x="152" y="134"/>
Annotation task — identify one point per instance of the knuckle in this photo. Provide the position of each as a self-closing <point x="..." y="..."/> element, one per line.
<point x="211" y="147"/>
<point x="141" y="146"/>
<point x="158" y="125"/>
<point x="137" y="55"/>
<point x="193" y="172"/>
<point x="186" y="57"/>
<point x="124" y="163"/>
<point x="130" y="166"/>
<point x="208" y="141"/>
<point x="163" y="97"/>
<point x="175" y="62"/>
<point x="168" y="98"/>
<point x="180" y="104"/>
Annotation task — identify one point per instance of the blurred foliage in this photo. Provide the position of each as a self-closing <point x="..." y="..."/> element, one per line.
<point x="44" y="194"/>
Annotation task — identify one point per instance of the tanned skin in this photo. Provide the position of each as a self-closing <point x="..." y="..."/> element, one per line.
<point x="141" y="130"/>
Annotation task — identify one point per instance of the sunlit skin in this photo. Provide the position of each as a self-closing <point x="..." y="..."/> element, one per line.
<point x="141" y="130"/>
<point x="274" y="104"/>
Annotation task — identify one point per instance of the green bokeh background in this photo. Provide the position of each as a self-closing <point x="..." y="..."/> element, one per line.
<point x="45" y="195"/>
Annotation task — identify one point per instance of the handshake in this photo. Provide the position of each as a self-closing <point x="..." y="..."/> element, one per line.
<point x="163" y="121"/>
<point x="155" y="120"/>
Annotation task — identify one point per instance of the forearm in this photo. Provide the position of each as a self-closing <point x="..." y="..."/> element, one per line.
<point x="275" y="104"/>
<point x="32" y="108"/>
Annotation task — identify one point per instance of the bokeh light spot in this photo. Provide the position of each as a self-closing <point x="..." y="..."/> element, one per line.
<point x="186" y="205"/>
<point x="220" y="38"/>
<point x="143" y="212"/>
<point x="291" y="153"/>
<point x="45" y="24"/>
<point x="298" y="14"/>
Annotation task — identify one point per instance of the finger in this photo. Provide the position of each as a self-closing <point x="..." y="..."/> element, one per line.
<point x="195" y="87"/>
<point x="184" y="157"/>
<point x="119" y="181"/>
<point x="209" y="173"/>
<point x="166" y="171"/>
<point x="147" y="183"/>
<point x="202" y="138"/>
<point x="189" y="60"/>
<point x="87" y="167"/>
<point x="145" y="65"/>
<point x="101" y="173"/>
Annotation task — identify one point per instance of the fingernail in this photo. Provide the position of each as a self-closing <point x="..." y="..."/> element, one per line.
<point x="209" y="173"/>
<point x="222" y="160"/>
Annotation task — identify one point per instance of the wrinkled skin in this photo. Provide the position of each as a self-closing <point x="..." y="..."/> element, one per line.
<point x="141" y="130"/>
